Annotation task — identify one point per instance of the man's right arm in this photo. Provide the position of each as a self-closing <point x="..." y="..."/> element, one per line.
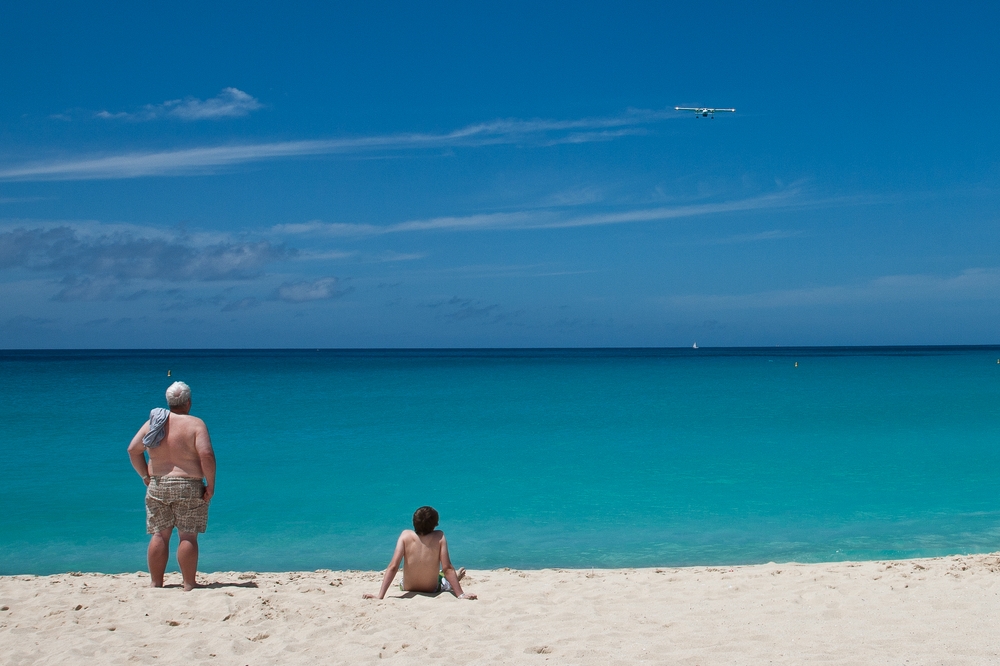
<point x="206" y="456"/>
<point x="136" y="453"/>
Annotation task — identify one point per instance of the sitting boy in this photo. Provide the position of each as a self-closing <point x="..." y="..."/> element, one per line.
<point x="422" y="551"/>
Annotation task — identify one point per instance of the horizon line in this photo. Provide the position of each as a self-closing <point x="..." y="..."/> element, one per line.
<point x="493" y="349"/>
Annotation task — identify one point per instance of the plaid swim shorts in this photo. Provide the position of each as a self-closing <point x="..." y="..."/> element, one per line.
<point x="175" y="501"/>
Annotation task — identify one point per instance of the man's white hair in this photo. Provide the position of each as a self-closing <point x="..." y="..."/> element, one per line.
<point x="178" y="394"/>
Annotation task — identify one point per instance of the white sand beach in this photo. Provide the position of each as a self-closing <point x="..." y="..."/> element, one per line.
<point x="940" y="610"/>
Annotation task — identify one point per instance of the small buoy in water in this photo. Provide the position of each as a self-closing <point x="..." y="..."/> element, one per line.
<point x="168" y="373"/>
<point x="796" y="364"/>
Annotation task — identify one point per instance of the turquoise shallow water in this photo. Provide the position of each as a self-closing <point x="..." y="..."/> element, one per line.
<point x="572" y="458"/>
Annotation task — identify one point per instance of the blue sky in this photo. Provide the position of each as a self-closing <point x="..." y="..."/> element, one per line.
<point x="440" y="175"/>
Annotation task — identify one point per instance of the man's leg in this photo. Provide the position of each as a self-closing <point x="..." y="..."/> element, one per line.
<point x="187" y="557"/>
<point x="157" y="554"/>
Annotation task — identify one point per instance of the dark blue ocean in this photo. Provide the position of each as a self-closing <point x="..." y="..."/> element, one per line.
<point x="534" y="458"/>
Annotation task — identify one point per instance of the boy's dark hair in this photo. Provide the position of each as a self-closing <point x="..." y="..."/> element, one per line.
<point x="425" y="519"/>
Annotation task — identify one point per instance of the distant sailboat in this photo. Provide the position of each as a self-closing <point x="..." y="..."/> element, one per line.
<point x="694" y="346"/>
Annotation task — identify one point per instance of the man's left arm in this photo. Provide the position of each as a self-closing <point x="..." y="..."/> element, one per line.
<point x="203" y="445"/>
<point x="137" y="453"/>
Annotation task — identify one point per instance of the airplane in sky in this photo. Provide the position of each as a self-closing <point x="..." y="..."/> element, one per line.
<point x="702" y="111"/>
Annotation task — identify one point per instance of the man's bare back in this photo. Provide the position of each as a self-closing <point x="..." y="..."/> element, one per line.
<point x="185" y="441"/>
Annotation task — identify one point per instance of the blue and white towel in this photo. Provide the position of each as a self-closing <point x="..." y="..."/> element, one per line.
<point x="157" y="428"/>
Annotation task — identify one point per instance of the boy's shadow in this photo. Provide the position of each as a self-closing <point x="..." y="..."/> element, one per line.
<point x="413" y="595"/>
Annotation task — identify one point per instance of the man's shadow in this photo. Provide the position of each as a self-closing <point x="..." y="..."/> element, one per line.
<point x="217" y="585"/>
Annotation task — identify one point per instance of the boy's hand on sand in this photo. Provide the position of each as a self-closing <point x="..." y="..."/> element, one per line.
<point x="367" y="596"/>
<point x="468" y="596"/>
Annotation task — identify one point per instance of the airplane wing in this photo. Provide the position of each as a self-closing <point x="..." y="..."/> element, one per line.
<point x="702" y="109"/>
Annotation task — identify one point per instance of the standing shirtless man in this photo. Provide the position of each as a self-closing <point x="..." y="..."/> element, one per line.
<point x="180" y="456"/>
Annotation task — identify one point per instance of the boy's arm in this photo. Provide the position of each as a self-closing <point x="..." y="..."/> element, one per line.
<point x="390" y="571"/>
<point x="449" y="572"/>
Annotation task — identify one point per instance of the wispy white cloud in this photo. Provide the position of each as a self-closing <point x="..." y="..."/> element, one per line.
<point x="970" y="284"/>
<point x="773" y="234"/>
<point x="547" y="218"/>
<point x="514" y="220"/>
<point x="167" y="163"/>
<point x="592" y="137"/>
<point x="324" y="255"/>
<point x="489" y="271"/>
<point x="335" y="255"/>
<point x="309" y="290"/>
<point x="389" y="256"/>
<point x="230" y="103"/>
<point x="580" y="196"/>
<point x="205" y="159"/>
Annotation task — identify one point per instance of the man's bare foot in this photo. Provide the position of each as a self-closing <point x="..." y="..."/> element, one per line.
<point x="460" y="573"/>
<point x="188" y="588"/>
<point x="156" y="584"/>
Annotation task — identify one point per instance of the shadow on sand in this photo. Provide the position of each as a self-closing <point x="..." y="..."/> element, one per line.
<point x="216" y="585"/>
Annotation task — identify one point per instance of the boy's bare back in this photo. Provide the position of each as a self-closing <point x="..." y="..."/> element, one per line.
<point x="423" y="552"/>
<point x="421" y="559"/>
